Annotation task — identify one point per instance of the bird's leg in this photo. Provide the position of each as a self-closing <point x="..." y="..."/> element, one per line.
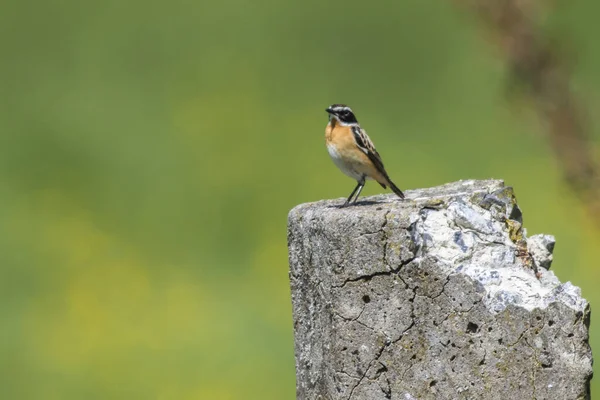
<point x="352" y="194"/>
<point x="360" y="188"/>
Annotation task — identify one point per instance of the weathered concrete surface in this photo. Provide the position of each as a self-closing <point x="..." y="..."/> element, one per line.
<point x="434" y="297"/>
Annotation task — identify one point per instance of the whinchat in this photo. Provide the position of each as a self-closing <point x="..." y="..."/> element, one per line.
<point x="353" y="152"/>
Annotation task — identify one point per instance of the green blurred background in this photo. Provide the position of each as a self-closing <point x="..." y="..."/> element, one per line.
<point x="150" y="152"/>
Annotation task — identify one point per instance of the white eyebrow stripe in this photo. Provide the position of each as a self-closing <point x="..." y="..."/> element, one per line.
<point x="338" y="108"/>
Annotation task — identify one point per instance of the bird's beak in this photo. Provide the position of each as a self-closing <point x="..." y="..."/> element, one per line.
<point x="329" y="110"/>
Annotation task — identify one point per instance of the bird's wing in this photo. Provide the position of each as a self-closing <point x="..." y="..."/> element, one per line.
<point x="365" y="144"/>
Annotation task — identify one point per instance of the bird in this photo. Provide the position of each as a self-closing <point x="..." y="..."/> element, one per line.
<point x="353" y="152"/>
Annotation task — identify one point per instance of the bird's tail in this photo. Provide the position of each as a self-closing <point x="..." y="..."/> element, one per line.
<point x="395" y="189"/>
<point x="388" y="182"/>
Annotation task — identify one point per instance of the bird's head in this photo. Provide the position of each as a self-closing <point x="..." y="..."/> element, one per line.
<point x="341" y="113"/>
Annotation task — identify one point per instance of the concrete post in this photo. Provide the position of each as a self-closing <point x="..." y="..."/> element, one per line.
<point x="440" y="296"/>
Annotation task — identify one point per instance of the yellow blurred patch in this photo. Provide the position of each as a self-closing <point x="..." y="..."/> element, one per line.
<point x="108" y="305"/>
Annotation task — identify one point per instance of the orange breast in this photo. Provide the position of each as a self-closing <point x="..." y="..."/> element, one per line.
<point x="341" y="137"/>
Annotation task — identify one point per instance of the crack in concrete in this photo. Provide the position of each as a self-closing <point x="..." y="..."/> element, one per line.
<point x="443" y="288"/>
<point x="350" y="319"/>
<point x="388" y="343"/>
<point x="381" y="371"/>
<point x="347" y="374"/>
<point x="379" y="353"/>
<point x="378" y="356"/>
<point x="520" y="338"/>
<point x="378" y="273"/>
<point x="385" y="236"/>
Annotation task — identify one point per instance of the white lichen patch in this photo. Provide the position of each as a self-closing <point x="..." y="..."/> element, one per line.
<point x="469" y="241"/>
